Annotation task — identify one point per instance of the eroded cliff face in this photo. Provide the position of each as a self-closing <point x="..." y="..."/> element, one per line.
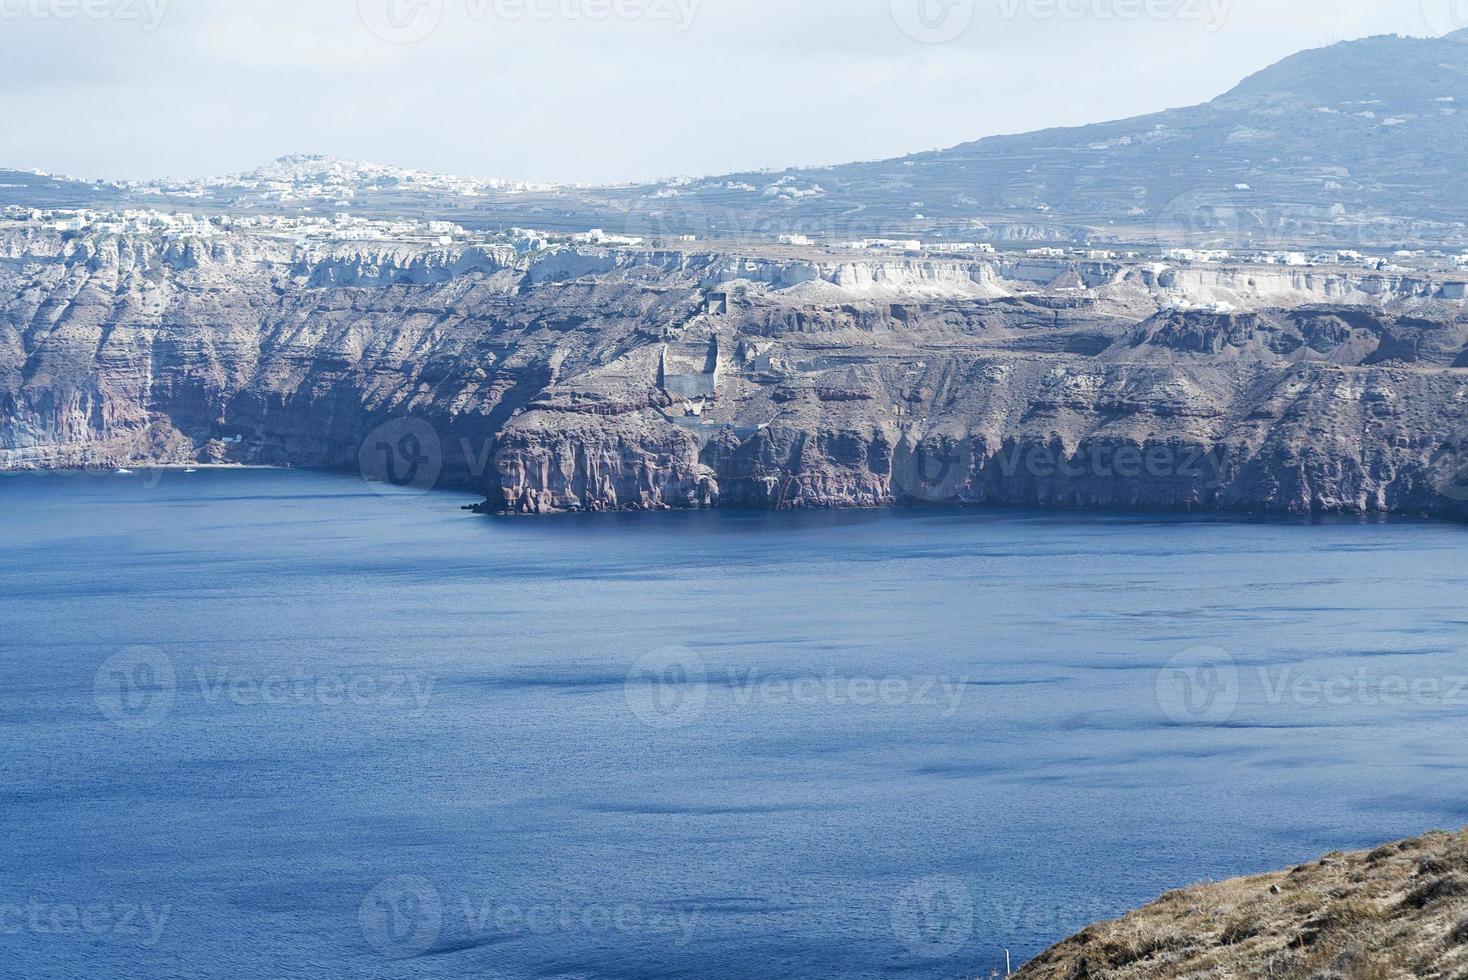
<point x="121" y="352"/>
<point x="596" y="379"/>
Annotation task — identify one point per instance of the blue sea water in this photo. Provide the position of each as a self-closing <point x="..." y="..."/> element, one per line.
<point x="270" y="724"/>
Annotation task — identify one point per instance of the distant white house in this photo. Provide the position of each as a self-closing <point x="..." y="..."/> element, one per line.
<point x="1197" y="255"/>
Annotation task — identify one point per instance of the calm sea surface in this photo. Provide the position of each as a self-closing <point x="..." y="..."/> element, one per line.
<point x="263" y="724"/>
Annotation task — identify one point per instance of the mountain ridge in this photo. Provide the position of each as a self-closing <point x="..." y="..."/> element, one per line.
<point x="1360" y="143"/>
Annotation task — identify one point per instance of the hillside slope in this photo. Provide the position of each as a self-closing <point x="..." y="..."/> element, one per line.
<point x="1400" y="911"/>
<point x="1360" y="143"/>
<point x="1364" y="141"/>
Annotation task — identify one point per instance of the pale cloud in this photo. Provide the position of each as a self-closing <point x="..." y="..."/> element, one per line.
<point x="241" y="43"/>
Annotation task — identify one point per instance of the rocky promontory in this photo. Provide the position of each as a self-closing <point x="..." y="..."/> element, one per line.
<point x="1399" y="911"/>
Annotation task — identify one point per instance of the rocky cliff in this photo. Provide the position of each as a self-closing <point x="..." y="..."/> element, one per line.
<point x="588" y="378"/>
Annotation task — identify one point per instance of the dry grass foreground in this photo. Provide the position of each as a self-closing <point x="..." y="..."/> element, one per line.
<point x="1396" y="912"/>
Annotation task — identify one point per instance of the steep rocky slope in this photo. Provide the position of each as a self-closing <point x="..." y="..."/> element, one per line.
<point x="586" y="378"/>
<point x="1400" y="911"/>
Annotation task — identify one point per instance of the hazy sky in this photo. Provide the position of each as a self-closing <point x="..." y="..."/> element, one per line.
<point x="602" y="90"/>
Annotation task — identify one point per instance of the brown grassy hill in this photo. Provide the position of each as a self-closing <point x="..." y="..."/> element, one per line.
<point x="1400" y="911"/>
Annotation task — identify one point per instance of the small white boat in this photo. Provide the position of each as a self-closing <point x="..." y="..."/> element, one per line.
<point x="124" y="471"/>
<point x="191" y="470"/>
